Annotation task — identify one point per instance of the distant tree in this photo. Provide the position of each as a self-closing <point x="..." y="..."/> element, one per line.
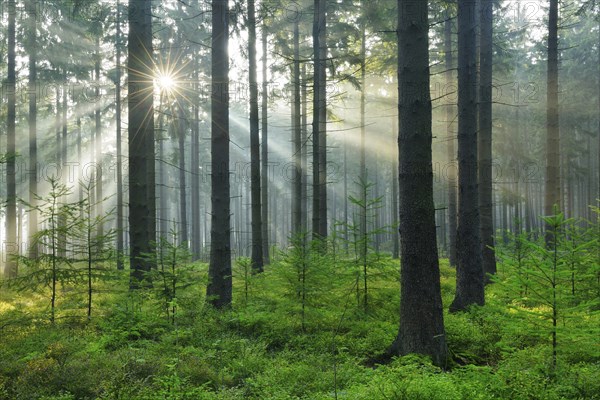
<point x="264" y="148"/>
<point x="11" y="245"/>
<point x="421" y="315"/>
<point x="32" y="121"/>
<point x="119" y="216"/>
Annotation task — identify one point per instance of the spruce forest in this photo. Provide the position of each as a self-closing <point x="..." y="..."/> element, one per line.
<point x="300" y="199"/>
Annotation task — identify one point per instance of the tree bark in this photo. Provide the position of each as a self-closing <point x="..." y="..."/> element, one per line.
<point x="422" y="326"/>
<point x="32" y="120"/>
<point x="181" y="130"/>
<point x="98" y="140"/>
<point x="452" y="179"/>
<point x="552" y="195"/>
<point x="11" y="245"/>
<point x="469" y="269"/>
<point x="296" y="137"/>
<point x="120" y="233"/>
<point x="485" y="137"/>
<point x="264" y="151"/>
<point x="219" y="289"/>
<point x="142" y="206"/>
<point x="255" y="178"/>
<point x="319" y="219"/>
<point x="195" y="167"/>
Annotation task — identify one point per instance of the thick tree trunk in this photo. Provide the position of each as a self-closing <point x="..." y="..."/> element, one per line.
<point x="142" y="206"/>
<point x="452" y="179"/>
<point x="219" y="287"/>
<point x="11" y="246"/>
<point x="422" y="326"/>
<point x="319" y="219"/>
<point x="486" y="205"/>
<point x="255" y="181"/>
<point x="32" y="120"/>
<point x="264" y="151"/>
<point x="469" y="269"/>
<point x="395" y="210"/>
<point x="552" y="195"/>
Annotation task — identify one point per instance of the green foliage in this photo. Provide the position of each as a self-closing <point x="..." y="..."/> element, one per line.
<point x="260" y="350"/>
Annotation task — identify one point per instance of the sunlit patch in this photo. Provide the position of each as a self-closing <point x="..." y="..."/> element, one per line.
<point x="166" y="82"/>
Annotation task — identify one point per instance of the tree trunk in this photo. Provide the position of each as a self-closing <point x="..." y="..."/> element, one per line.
<point x="319" y="116"/>
<point x="163" y="205"/>
<point x="195" y="167"/>
<point x="552" y="195"/>
<point x="142" y="206"/>
<point x="219" y="287"/>
<point x="322" y="118"/>
<point x="363" y="181"/>
<point x="32" y="120"/>
<point x="11" y="245"/>
<point x="98" y="139"/>
<point x="255" y="181"/>
<point x="452" y="179"/>
<point x="296" y="137"/>
<point x="119" y="144"/>
<point x="181" y="130"/>
<point x="485" y="137"/>
<point x="395" y="211"/>
<point x="304" y="151"/>
<point x="469" y="269"/>
<point x="422" y="326"/>
<point x="264" y="151"/>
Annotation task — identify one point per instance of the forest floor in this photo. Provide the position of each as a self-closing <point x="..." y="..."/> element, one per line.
<point x="271" y="346"/>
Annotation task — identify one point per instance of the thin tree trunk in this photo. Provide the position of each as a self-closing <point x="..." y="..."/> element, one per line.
<point x="11" y="246"/>
<point x="195" y="167"/>
<point x="181" y="130"/>
<point x="98" y="139"/>
<point x="255" y="178"/>
<point x="304" y="159"/>
<point x="296" y="137"/>
<point x="395" y="210"/>
<point x="485" y="137"/>
<point x="264" y="151"/>
<point x="552" y="195"/>
<point x="142" y="206"/>
<point x="119" y="232"/>
<point x="219" y="287"/>
<point x="322" y="118"/>
<point x="32" y="120"/>
<point x="163" y="206"/>
<point x="452" y="180"/>
<point x="422" y="325"/>
<point x="469" y="269"/>
<point x="364" y="184"/>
